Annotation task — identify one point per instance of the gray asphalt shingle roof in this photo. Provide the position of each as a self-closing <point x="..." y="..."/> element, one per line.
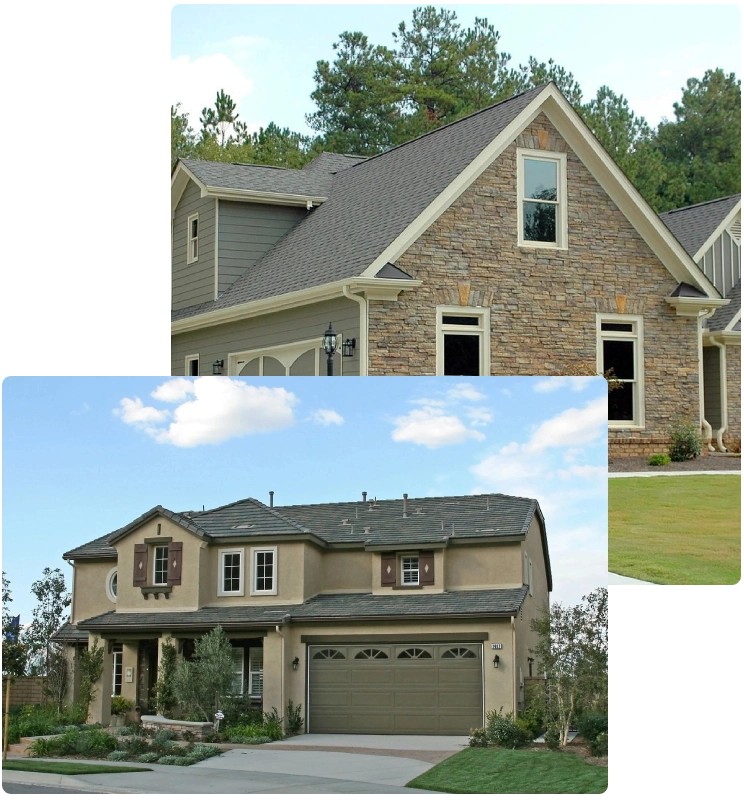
<point x="490" y="602"/>
<point x="369" y="206"/>
<point x="723" y="316"/>
<point x="693" y="225"/>
<point x="70" y="634"/>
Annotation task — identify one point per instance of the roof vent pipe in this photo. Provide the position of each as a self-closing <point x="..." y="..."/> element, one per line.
<point x="271" y="499"/>
<point x="364" y="497"/>
<point x="405" y="506"/>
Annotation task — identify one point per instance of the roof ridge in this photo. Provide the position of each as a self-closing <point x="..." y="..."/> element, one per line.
<point x="460" y="119"/>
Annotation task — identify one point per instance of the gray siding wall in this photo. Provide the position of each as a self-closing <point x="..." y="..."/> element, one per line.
<point x="721" y="263"/>
<point x="246" y="232"/>
<point x="284" y="327"/>
<point x="712" y="386"/>
<point x="193" y="283"/>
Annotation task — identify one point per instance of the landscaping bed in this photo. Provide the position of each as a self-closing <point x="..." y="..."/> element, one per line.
<point x="711" y="463"/>
<point x="67" y="767"/>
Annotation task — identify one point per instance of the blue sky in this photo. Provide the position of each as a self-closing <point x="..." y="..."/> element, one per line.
<point x="265" y="55"/>
<point x="84" y="456"/>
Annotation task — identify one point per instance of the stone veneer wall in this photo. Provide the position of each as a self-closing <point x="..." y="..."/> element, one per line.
<point x="732" y="437"/>
<point x="543" y="302"/>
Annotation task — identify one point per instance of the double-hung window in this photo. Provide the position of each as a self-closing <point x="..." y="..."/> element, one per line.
<point x="541" y="178"/>
<point x="231" y="572"/>
<point x="463" y="340"/>
<point x="263" y="564"/>
<point x="192" y="239"/>
<point x="160" y="565"/>
<point x="117" y="670"/>
<point x="620" y="358"/>
<point x="409" y="571"/>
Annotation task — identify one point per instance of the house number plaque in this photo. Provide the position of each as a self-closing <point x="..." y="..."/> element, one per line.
<point x="496" y="646"/>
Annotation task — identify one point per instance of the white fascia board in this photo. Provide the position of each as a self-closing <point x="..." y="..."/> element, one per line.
<point x="374" y="288"/>
<point x="270" y="198"/>
<point x="444" y="200"/>
<point x="693" y="306"/>
<point x="727" y="220"/>
<point x="179" y="181"/>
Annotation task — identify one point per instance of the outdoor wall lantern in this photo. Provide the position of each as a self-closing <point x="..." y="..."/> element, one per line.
<point x="296" y="663"/>
<point x="330" y="340"/>
<point x="348" y="347"/>
<point x="495" y="662"/>
<point x="217" y="367"/>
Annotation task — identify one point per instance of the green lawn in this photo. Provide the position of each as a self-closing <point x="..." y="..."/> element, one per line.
<point x="485" y="770"/>
<point x="683" y="530"/>
<point x="67" y="767"/>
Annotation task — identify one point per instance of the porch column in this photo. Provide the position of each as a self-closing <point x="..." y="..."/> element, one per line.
<point x="100" y="707"/>
<point x="273" y="672"/>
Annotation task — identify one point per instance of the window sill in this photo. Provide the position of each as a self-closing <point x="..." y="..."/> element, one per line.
<point x="542" y="246"/>
<point x="164" y="589"/>
<point x="614" y="426"/>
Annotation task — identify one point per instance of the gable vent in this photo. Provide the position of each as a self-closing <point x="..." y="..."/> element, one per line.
<point x="242" y="526"/>
<point x="735" y="230"/>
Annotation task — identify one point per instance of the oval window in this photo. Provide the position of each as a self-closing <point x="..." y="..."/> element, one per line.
<point x="111" y="584"/>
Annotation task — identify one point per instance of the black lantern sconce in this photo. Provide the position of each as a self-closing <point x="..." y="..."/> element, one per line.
<point x="496" y="662"/>
<point x="296" y="663"/>
<point x="347" y="348"/>
<point x="217" y="367"/>
<point x="330" y="341"/>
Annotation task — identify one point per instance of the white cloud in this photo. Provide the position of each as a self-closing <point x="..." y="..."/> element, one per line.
<point x="174" y="391"/>
<point x="133" y="411"/>
<point x="479" y="416"/>
<point x="221" y="409"/>
<point x="572" y="427"/>
<point x="326" y="416"/>
<point x="576" y="383"/>
<point x="432" y="428"/>
<point x="588" y="471"/>
<point x="465" y="391"/>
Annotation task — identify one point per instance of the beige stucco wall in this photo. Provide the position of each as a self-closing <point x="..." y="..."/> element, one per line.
<point x="89" y="589"/>
<point x="471" y="251"/>
<point x="349" y="571"/>
<point x="483" y="566"/>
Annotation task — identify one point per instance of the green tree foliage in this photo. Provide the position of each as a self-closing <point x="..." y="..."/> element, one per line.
<point x="536" y="73"/>
<point x="182" y="135"/>
<point x="572" y="652"/>
<point x="55" y="685"/>
<point x="90" y="664"/>
<point x="48" y="616"/>
<point x="357" y="97"/>
<point x="202" y="685"/>
<point x="221" y="121"/>
<point x="14" y="649"/>
<point x="165" y="696"/>
<point x="704" y="141"/>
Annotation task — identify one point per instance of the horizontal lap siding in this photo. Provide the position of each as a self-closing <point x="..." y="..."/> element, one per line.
<point x="193" y="283"/>
<point x="246" y="232"/>
<point x="285" y="327"/>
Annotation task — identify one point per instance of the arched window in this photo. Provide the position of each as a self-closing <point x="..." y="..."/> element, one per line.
<point x="459" y="652"/>
<point x="329" y="653"/>
<point x="414" y="652"/>
<point x="371" y="653"/>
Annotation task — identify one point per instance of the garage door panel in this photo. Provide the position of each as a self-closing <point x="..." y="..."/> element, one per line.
<point x="373" y="699"/>
<point x="331" y="698"/>
<point x="361" y="676"/>
<point x="462" y="699"/>
<point x="331" y="677"/>
<point x="415" y="675"/>
<point x="409" y="699"/>
<point x="458" y="676"/>
<point x="371" y="723"/>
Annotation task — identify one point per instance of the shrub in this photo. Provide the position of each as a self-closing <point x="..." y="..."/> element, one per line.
<point x="599" y="746"/>
<point x="478" y="737"/>
<point x="148" y="758"/>
<point x="96" y="743"/>
<point x="135" y="746"/>
<point x="590" y="724"/>
<point x="188" y="736"/>
<point x="202" y="751"/>
<point x="168" y="760"/>
<point x="658" y="460"/>
<point x="184" y="761"/>
<point x="90" y="665"/>
<point x="505" y="731"/>
<point x="42" y="748"/>
<point x="118" y="755"/>
<point x="163" y="737"/>
<point x="165" y="696"/>
<point x="120" y="705"/>
<point x="553" y="737"/>
<point x="294" y="717"/>
<point x="250" y="739"/>
<point x="686" y="442"/>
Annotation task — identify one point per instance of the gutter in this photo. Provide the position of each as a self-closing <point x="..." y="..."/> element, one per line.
<point x="363" y="330"/>
<point x="706" y="426"/>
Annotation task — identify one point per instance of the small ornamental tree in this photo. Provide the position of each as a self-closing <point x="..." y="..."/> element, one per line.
<point x="14" y="650"/>
<point x="48" y="617"/>
<point x="90" y="665"/>
<point x="165" y="696"/>
<point x="203" y="684"/>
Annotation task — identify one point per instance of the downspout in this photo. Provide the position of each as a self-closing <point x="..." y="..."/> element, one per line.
<point x="514" y="663"/>
<point x="362" y="329"/>
<point x="724" y="398"/>
<point x="706" y="426"/>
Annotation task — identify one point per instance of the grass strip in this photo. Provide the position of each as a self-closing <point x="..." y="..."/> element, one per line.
<point x="67" y="767"/>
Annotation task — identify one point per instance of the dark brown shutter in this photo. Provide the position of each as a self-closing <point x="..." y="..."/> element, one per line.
<point x="175" y="550"/>
<point x="140" y="565"/>
<point x="426" y="568"/>
<point x="389" y="576"/>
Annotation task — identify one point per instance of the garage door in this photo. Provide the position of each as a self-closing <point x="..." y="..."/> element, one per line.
<point x="397" y="688"/>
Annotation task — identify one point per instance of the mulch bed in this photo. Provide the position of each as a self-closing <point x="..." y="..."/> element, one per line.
<point x="712" y="463"/>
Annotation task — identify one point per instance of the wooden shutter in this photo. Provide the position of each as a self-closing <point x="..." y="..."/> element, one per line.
<point x="175" y="550"/>
<point x="140" y="565"/>
<point x="426" y="568"/>
<point x="389" y="569"/>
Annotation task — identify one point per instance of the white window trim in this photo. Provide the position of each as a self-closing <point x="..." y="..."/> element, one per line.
<point x="561" y="221"/>
<point x="242" y="670"/>
<point x="109" y="578"/>
<point x="190" y="259"/>
<point x="636" y="336"/>
<point x="117" y="655"/>
<point x="286" y="354"/>
<point x="154" y="562"/>
<point x="418" y="570"/>
<point x="482" y="330"/>
<point x="254" y="552"/>
<point x="187" y="363"/>
<point x="252" y="671"/>
<point x="221" y="572"/>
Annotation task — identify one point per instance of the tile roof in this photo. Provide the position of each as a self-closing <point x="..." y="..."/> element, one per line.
<point x="489" y="602"/>
<point x="720" y="320"/>
<point x="693" y="225"/>
<point x="370" y="205"/>
<point x="70" y="634"/>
